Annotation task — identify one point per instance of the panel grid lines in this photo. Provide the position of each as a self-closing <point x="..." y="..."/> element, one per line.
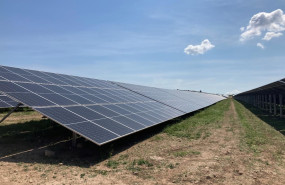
<point x="6" y="102"/>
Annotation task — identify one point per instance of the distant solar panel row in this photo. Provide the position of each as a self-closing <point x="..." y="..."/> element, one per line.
<point x="180" y="100"/>
<point x="98" y="110"/>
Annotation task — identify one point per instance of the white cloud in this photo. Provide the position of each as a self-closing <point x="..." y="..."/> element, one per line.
<point x="264" y="22"/>
<point x="233" y="92"/>
<point x="270" y="35"/>
<point x="199" y="49"/>
<point x="260" y="45"/>
<point x="242" y="29"/>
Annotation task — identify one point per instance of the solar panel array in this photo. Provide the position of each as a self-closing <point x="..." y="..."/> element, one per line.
<point x="100" y="111"/>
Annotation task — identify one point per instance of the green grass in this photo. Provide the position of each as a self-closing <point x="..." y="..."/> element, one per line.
<point x="136" y="165"/>
<point x="144" y="162"/>
<point x="20" y="110"/>
<point x="82" y="175"/>
<point x="156" y="138"/>
<point x="112" y="164"/>
<point x="198" y="125"/>
<point x="257" y="134"/>
<point x="171" y="166"/>
<point x="185" y="153"/>
<point x="275" y="121"/>
<point x="254" y="136"/>
<point x="94" y="172"/>
<point x="123" y="157"/>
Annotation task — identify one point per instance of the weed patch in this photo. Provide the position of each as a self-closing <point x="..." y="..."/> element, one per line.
<point x="112" y="164"/>
<point x="144" y="162"/>
<point x="185" y="153"/>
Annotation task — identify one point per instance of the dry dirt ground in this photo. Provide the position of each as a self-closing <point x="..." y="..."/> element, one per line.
<point x="231" y="151"/>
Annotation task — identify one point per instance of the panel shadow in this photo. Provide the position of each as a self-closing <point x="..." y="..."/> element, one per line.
<point x="275" y="121"/>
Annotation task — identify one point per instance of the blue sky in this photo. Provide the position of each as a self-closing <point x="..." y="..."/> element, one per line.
<point x="143" y="41"/>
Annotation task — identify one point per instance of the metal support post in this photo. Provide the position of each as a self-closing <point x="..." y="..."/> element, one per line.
<point x="274" y="104"/>
<point x="74" y="137"/>
<point x="270" y="103"/>
<point x="262" y="101"/>
<point x="256" y="100"/>
<point x="9" y="113"/>
<point x="281" y="105"/>
<point x="265" y="102"/>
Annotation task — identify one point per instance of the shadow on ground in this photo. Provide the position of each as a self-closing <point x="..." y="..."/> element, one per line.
<point x="27" y="142"/>
<point x="275" y="121"/>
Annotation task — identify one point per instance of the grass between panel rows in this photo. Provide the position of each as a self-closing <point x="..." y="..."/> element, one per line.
<point x="197" y="126"/>
<point x="258" y="135"/>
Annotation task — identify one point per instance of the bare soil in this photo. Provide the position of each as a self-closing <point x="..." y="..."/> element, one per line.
<point x="221" y="158"/>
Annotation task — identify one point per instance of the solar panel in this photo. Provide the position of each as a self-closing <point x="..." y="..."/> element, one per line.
<point x="99" y="110"/>
<point x="6" y="102"/>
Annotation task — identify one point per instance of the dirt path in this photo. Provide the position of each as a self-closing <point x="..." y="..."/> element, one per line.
<point x="229" y="166"/>
<point x="221" y="159"/>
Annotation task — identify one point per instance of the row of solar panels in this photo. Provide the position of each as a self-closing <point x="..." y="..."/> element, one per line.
<point x="101" y="111"/>
<point x="271" y="88"/>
